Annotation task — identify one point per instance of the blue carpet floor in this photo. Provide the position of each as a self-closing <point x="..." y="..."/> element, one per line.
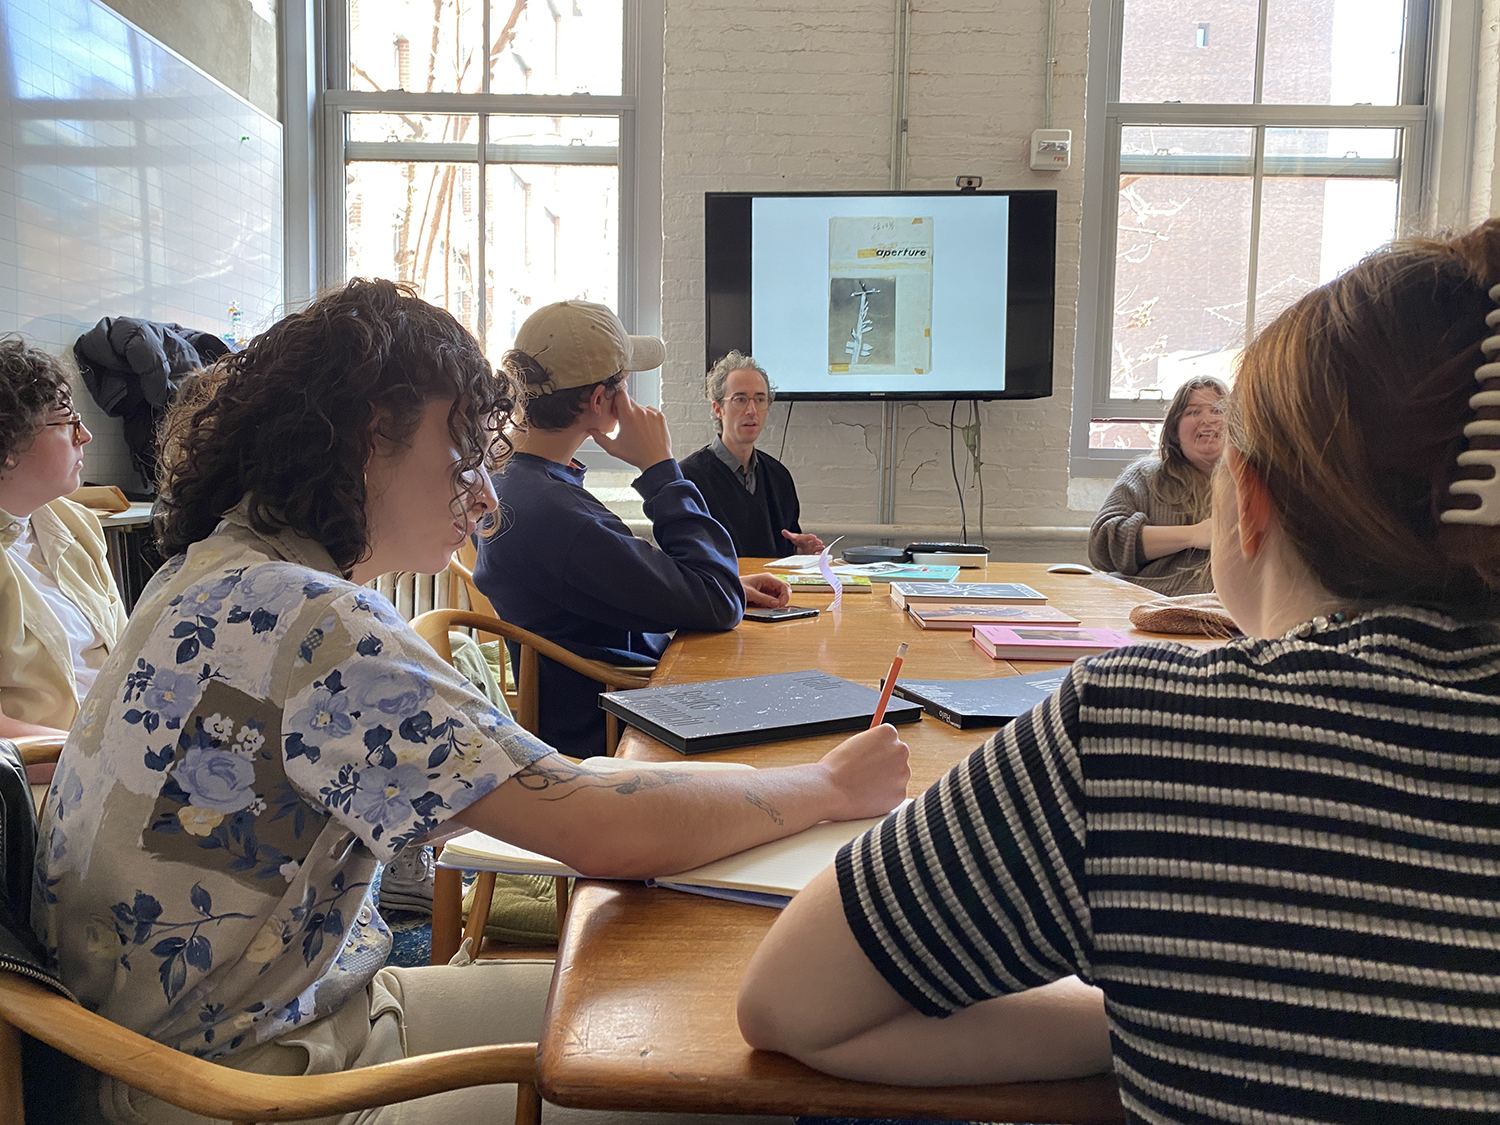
<point x="411" y="933"/>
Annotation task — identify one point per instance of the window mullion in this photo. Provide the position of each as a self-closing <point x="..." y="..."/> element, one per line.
<point x="1109" y="231"/>
<point x="1257" y="184"/>
<point x="1260" y="51"/>
<point x="1116" y="49"/>
<point x="482" y="277"/>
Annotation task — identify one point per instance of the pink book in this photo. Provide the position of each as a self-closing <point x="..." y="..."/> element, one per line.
<point x="1025" y="642"/>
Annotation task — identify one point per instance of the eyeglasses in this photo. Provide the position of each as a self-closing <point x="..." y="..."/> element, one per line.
<point x="740" y="401"/>
<point x="79" y="429"/>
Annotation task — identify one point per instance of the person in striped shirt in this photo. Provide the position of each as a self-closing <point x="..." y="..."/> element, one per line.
<point x="1261" y="883"/>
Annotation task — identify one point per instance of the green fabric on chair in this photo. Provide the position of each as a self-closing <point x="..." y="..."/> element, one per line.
<point x="477" y="663"/>
<point x="523" y="911"/>
<point x="495" y="655"/>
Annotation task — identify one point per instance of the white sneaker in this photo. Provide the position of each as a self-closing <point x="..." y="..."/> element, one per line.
<point x="406" y="883"/>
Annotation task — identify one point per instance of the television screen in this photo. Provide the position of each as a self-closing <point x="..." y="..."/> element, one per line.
<point x="901" y="295"/>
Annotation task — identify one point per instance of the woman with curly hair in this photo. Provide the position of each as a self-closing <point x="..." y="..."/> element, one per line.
<point x="269" y="730"/>
<point x="60" y="612"/>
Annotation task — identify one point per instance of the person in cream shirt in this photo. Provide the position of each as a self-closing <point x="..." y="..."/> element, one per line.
<point x="60" y="612"/>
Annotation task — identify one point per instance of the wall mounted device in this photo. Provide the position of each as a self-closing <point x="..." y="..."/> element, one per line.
<point x="1051" y="149"/>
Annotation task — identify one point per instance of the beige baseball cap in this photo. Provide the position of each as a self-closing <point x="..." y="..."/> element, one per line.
<point x="578" y="343"/>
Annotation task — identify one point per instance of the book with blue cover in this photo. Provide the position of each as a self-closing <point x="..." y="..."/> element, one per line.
<point x="990" y="702"/>
<point x="721" y="714"/>
<point x="904" y="594"/>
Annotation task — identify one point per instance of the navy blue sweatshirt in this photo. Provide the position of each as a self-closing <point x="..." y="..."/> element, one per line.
<point x="567" y="568"/>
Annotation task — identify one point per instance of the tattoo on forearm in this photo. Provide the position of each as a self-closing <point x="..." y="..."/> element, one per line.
<point x="770" y="810"/>
<point x="554" y="772"/>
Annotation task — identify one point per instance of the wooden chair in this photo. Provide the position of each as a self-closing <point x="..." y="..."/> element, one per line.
<point x="39" y="750"/>
<point x="28" y="1007"/>
<point x="448" y="930"/>
<point x="220" y="1092"/>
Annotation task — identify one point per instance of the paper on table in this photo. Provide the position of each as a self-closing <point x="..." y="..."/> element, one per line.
<point x="767" y="875"/>
<point x="825" y="568"/>
<point x="782" y="867"/>
<point x="474" y="851"/>
<point x="794" y="562"/>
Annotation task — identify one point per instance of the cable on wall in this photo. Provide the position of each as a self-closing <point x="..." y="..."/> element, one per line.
<point x="786" y="428"/>
<point x="953" y="463"/>
<point x="976" y="423"/>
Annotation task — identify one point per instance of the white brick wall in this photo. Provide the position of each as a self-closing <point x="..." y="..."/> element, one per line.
<point x="776" y="95"/>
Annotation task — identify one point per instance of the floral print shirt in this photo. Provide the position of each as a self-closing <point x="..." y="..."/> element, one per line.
<point x="262" y="736"/>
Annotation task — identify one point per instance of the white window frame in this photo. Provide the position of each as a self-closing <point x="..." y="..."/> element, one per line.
<point x="317" y="102"/>
<point x="1438" y="66"/>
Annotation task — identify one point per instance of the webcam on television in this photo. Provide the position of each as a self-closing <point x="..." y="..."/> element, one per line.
<point x="970" y="183"/>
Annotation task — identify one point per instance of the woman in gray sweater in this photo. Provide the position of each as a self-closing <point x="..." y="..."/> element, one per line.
<point x="1154" y="528"/>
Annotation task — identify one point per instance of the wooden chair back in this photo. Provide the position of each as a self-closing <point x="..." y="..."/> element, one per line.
<point x="448" y="930"/>
<point x="29" y="1007"/>
<point x="220" y="1092"/>
<point x="433" y="627"/>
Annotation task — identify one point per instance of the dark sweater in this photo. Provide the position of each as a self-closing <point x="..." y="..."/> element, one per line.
<point x="567" y="568"/>
<point x="755" y="520"/>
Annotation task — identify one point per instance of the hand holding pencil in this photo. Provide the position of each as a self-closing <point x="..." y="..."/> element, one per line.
<point x="869" y="773"/>
<point x="890" y="684"/>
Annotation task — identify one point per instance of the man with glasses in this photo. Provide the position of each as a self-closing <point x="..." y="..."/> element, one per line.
<point x="747" y="490"/>
<point x="60" y="613"/>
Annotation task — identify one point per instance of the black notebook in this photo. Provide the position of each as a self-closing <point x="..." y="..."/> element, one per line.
<point x="989" y="702"/>
<point x="719" y="714"/>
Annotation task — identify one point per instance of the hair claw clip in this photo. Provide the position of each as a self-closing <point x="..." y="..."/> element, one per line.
<point x="1487" y="489"/>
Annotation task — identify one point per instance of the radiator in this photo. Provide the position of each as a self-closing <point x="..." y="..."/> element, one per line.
<point x="413" y="594"/>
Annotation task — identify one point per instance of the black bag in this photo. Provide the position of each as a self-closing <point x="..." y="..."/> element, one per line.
<point x="20" y="949"/>
<point x="58" y="1088"/>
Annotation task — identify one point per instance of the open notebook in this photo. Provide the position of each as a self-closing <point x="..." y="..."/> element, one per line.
<point x="768" y="875"/>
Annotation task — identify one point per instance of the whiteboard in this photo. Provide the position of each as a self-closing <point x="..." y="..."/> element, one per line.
<point x="131" y="184"/>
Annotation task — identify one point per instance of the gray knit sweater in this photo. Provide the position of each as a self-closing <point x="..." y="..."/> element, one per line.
<point x="1115" y="538"/>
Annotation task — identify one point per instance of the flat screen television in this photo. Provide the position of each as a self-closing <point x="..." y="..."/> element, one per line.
<point x="894" y="295"/>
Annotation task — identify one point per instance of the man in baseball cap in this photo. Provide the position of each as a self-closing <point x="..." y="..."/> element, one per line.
<point x="562" y="564"/>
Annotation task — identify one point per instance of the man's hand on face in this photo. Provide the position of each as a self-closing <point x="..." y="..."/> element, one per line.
<point x="805" y="543"/>
<point x="765" y="591"/>
<point x="642" y="439"/>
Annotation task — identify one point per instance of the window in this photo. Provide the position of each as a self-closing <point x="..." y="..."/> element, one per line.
<point x="1235" y="172"/>
<point x="460" y="134"/>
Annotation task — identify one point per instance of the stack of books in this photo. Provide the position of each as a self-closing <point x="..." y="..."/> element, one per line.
<point x="904" y="594"/>
<point x="1025" y="642"/>
<point x="990" y="702"/>
<point x="722" y="714"/>
<point x="816" y="584"/>
<point x="941" y="616"/>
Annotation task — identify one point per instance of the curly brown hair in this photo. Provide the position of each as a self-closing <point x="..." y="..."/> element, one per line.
<point x="33" y="383"/>
<point x="291" y="421"/>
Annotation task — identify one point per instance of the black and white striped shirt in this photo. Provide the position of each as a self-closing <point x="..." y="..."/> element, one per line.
<point x="1279" y="859"/>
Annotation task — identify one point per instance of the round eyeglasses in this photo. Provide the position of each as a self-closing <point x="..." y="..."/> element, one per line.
<point x="740" y="401"/>
<point x="80" y="431"/>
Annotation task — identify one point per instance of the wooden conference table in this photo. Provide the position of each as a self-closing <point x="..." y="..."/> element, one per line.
<point x="641" y="1014"/>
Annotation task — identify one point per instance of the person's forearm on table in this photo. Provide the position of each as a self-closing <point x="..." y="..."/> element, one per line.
<point x="810" y="992"/>
<point x="633" y="825"/>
